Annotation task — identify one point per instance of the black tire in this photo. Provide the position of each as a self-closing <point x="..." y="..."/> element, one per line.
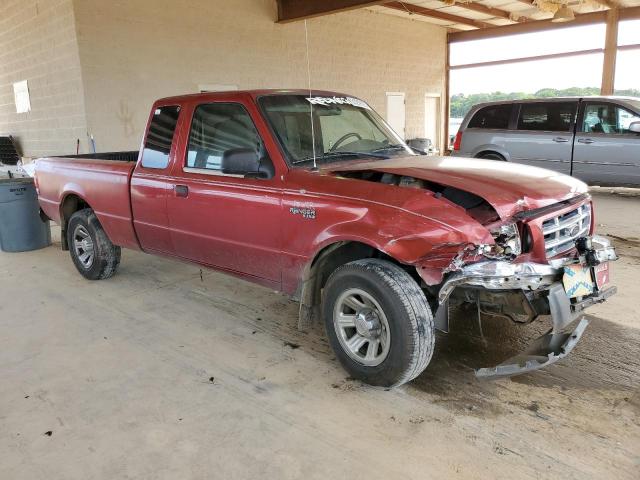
<point x="106" y="256"/>
<point x="491" y="156"/>
<point x="405" y="309"/>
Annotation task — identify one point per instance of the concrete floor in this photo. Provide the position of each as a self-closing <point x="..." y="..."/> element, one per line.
<point x="161" y="373"/>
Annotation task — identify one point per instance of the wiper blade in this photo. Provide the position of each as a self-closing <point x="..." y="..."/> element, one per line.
<point x="338" y="154"/>
<point x="390" y="147"/>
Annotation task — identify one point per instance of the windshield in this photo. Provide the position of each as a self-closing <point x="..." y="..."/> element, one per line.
<point x="343" y="127"/>
<point x="635" y="104"/>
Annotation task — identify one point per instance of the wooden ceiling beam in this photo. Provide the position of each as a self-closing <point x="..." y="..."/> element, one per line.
<point x="494" y="12"/>
<point x="609" y="3"/>
<point x="293" y="10"/>
<point x="541" y="25"/>
<point x="428" y="12"/>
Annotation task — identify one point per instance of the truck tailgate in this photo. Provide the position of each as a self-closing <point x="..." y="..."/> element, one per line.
<point x="101" y="184"/>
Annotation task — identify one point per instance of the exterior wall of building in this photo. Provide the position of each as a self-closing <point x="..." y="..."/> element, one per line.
<point x="38" y="44"/>
<point x="95" y="67"/>
<point x="133" y="52"/>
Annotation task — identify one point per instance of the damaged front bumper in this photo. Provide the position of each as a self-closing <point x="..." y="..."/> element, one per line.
<point x="545" y="283"/>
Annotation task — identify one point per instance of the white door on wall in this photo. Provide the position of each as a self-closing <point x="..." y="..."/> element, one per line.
<point x="396" y="112"/>
<point x="432" y="119"/>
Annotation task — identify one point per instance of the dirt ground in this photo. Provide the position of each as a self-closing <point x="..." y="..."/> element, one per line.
<point x="168" y="372"/>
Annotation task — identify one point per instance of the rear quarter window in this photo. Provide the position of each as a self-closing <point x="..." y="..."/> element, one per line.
<point x="549" y="117"/>
<point x="157" y="145"/>
<point x="495" y="116"/>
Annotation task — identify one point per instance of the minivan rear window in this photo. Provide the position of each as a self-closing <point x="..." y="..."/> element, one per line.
<point x="549" y="117"/>
<point x="494" y="116"/>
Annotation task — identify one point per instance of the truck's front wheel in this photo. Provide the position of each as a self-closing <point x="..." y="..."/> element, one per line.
<point x="378" y="322"/>
<point x="93" y="254"/>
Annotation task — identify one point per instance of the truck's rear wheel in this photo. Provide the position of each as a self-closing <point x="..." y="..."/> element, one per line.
<point x="93" y="254"/>
<point x="378" y="322"/>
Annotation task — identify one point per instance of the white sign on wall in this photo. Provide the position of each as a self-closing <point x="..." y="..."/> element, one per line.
<point x="21" y="96"/>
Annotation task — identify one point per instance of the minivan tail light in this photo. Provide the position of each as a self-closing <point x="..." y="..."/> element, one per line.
<point x="457" y="142"/>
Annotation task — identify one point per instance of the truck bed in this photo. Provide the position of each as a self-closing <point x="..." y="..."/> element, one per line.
<point x="97" y="180"/>
<point x="127" y="156"/>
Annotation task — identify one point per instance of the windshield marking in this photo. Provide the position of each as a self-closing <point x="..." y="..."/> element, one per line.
<point x="325" y="101"/>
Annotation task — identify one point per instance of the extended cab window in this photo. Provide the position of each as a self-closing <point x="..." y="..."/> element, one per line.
<point x="217" y="128"/>
<point x="607" y="118"/>
<point x="496" y="116"/>
<point x="160" y="137"/>
<point x="549" y="117"/>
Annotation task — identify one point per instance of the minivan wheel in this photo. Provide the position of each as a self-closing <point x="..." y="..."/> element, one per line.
<point x="93" y="254"/>
<point x="491" y="156"/>
<point x="378" y="322"/>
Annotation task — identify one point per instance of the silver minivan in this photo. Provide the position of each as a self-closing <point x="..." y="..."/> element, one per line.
<point x="596" y="139"/>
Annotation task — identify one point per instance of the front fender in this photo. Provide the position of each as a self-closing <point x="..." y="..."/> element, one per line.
<point x="408" y="237"/>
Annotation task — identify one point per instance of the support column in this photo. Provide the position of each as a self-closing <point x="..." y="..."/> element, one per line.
<point x="447" y="114"/>
<point x="610" y="53"/>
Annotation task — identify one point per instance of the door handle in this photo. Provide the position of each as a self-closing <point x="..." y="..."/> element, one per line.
<point x="585" y="140"/>
<point x="181" y="191"/>
<point x="560" y="140"/>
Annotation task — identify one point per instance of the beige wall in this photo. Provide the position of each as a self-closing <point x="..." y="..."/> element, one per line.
<point x="38" y="44"/>
<point x="133" y="52"/>
<point x="95" y="66"/>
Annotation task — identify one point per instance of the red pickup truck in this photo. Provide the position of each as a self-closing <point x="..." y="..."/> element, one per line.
<point x="312" y="194"/>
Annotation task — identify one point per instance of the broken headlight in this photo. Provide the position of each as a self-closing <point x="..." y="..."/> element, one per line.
<point x="507" y="238"/>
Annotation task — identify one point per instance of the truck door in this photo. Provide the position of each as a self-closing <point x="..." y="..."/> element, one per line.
<point x="150" y="181"/>
<point x="229" y="221"/>
<point x="606" y="151"/>
<point x="544" y="135"/>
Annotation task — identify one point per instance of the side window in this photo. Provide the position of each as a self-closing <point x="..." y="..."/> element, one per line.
<point x="496" y="116"/>
<point x="607" y="118"/>
<point x="160" y="137"/>
<point x="217" y="128"/>
<point x="549" y="117"/>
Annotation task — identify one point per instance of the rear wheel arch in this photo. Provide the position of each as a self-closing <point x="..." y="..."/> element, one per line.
<point x="70" y="204"/>
<point x="491" y="155"/>
<point x="93" y="254"/>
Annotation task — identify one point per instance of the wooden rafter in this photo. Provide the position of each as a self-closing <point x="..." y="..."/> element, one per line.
<point x="532" y="58"/>
<point x="604" y="3"/>
<point x="428" y="12"/>
<point x="494" y="12"/>
<point x="541" y="25"/>
<point x="292" y="10"/>
<point x="609" y="3"/>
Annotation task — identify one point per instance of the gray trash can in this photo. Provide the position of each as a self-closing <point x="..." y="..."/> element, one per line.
<point x="21" y="228"/>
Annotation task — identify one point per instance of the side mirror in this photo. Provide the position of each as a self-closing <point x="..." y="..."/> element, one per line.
<point x="634" y="127"/>
<point x="240" y="161"/>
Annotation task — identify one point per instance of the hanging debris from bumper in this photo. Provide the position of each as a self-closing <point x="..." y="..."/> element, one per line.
<point x="546" y="350"/>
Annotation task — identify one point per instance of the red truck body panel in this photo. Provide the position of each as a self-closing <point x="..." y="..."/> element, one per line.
<point x="269" y="230"/>
<point x="508" y="187"/>
<point x="102" y="184"/>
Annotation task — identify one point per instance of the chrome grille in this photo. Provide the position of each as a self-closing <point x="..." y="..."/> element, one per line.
<point x="561" y="232"/>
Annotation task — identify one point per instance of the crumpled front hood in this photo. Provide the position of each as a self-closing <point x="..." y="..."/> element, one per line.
<point x="510" y="188"/>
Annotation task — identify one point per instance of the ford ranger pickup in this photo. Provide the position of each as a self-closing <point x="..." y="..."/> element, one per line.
<point x="313" y="194"/>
